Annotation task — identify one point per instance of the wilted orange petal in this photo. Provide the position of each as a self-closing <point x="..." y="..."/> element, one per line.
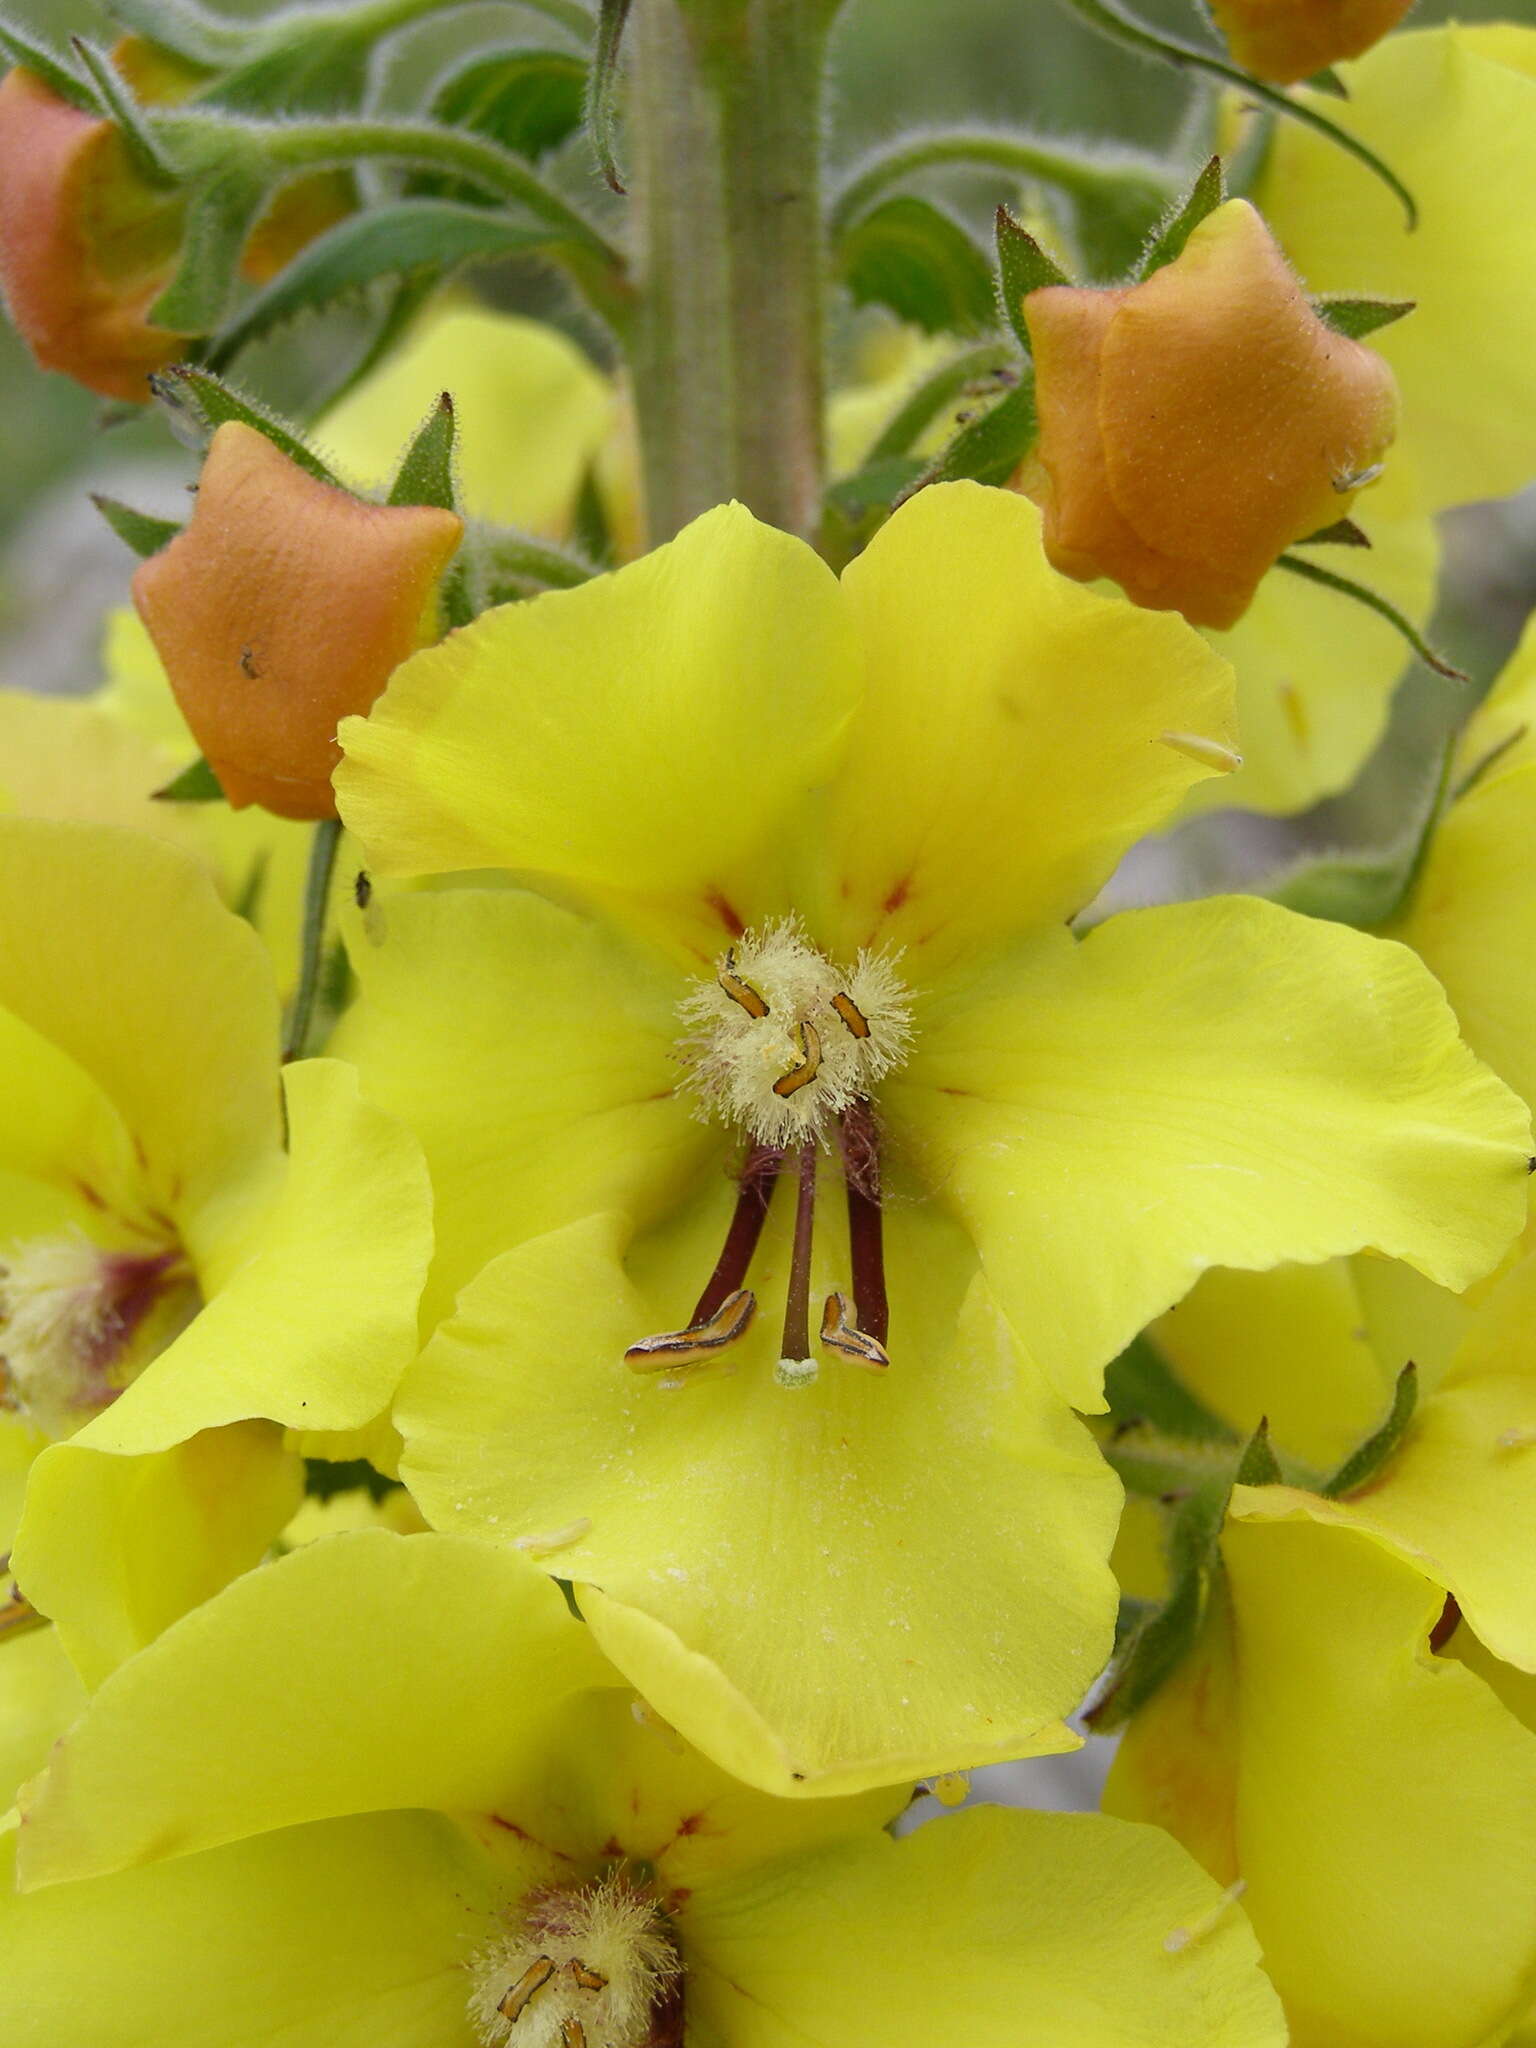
<point x="282" y="609"/>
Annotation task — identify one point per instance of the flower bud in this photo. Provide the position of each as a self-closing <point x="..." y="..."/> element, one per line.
<point x="280" y="610"/>
<point x="86" y="243"/>
<point x="1287" y="40"/>
<point x="1194" y="425"/>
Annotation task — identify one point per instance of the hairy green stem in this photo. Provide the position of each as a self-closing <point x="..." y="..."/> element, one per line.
<point x="317" y="890"/>
<point x="724" y="158"/>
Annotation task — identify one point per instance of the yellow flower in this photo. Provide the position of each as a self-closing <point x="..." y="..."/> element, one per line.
<point x="405" y="1800"/>
<point x="803" y="858"/>
<point x="1354" y="1735"/>
<point x="177" y="1284"/>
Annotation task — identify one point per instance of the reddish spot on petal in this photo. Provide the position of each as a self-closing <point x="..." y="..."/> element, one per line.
<point x="725" y="911"/>
<point x="898" y="896"/>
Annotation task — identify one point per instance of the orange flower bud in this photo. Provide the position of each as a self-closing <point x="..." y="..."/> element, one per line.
<point x="281" y="609"/>
<point x="1285" y="40"/>
<point x="86" y="243"/>
<point x="1194" y="425"/>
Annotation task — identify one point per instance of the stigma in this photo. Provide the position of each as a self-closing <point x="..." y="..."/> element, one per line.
<point x="577" y="1966"/>
<point x="78" y="1322"/>
<point x="781" y="1040"/>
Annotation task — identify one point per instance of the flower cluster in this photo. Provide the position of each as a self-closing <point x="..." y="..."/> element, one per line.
<point x="616" y="1264"/>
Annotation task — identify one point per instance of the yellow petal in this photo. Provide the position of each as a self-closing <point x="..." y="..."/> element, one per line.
<point x="39" y="1696"/>
<point x="1472" y="918"/>
<point x="1009" y="746"/>
<point x="531" y="413"/>
<point x="454" y="1661"/>
<point x="990" y="1928"/>
<point x="1215" y="1083"/>
<point x="186" y="1050"/>
<point x="1315" y="670"/>
<point x="116" y="1549"/>
<point x="558" y="1098"/>
<point x="1291" y="1344"/>
<point x="1500" y="736"/>
<point x="782" y="1572"/>
<point x="646" y="734"/>
<point x="1430" y="102"/>
<point x="352" y="1932"/>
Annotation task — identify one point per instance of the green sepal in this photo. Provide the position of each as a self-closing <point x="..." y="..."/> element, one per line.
<point x="1328" y="80"/>
<point x="978" y="373"/>
<point x="511" y="566"/>
<point x="23" y="50"/>
<point x="1258" y="1466"/>
<point x="858" y="505"/>
<point x="911" y="256"/>
<point x="198" y="403"/>
<point x="124" y="112"/>
<point x="1168" y="239"/>
<point x="1364" y="1463"/>
<point x="324" y="1478"/>
<point x="143" y="531"/>
<point x="194" y="785"/>
<point x="990" y="448"/>
<point x="410" y="239"/>
<point x="1165" y="1638"/>
<point x="1141" y="1386"/>
<point x="602" y="89"/>
<point x="1370" y="599"/>
<point x="527" y="100"/>
<point x="591" y="532"/>
<point x="1359" y="317"/>
<point x="425" y="476"/>
<point x="1342" y="534"/>
<point x="1022" y="267"/>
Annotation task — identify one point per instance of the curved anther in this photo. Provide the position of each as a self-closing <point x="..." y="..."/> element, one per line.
<point x="840" y="1333"/>
<point x="806" y="1068"/>
<point x="699" y="1341"/>
<point x="527" y="1987"/>
<point x="740" y="990"/>
<point x="588" y="1979"/>
<point x="572" y="2034"/>
<point x="851" y="1015"/>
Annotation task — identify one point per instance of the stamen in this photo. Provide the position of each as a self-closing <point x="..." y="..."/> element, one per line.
<point x="548" y="1541"/>
<point x="531" y="1982"/>
<point x="841" y="1334"/>
<point x="589" y="1980"/>
<point x="866" y="1223"/>
<point x="851" y="1015"/>
<point x="572" y="2033"/>
<point x="1356" y="479"/>
<point x="700" y="1340"/>
<point x="725" y="1309"/>
<point x="740" y="990"/>
<point x="1185" y="1937"/>
<point x="806" y="1068"/>
<point x="796" y="1366"/>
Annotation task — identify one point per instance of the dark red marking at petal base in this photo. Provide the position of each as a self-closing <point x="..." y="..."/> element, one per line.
<point x="898" y="896"/>
<point x="720" y="904"/>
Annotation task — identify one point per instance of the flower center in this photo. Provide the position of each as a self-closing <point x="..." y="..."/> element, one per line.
<point x="789" y="1046"/>
<point x="781" y="1041"/>
<point x="77" y="1323"/>
<point x="587" y="1966"/>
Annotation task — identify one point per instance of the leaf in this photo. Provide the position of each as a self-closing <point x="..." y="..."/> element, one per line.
<point x="1372" y="602"/>
<point x="426" y="470"/>
<point x="195" y="785"/>
<point x="1258" y="1466"/>
<point x="1366" y="1462"/>
<point x="1023" y="267"/>
<point x="1157" y="1648"/>
<point x="143" y="531"/>
<point x="220" y="215"/>
<point x="527" y="100"/>
<point x="409" y="239"/>
<point x="199" y="402"/>
<point x="1359" y="317"/>
<point x="125" y="113"/>
<point x="1368" y="890"/>
<point x="1167" y="243"/>
<point x="602" y="92"/>
<point x="1141" y="1386"/>
<point x="911" y="256"/>
<point x="990" y="448"/>
<point x="876" y="486"/>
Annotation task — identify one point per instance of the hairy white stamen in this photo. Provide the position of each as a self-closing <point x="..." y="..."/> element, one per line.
<point x="72" y="1325"/>
<point x="781" y="1039"/>
<point x="586" y="1962"/>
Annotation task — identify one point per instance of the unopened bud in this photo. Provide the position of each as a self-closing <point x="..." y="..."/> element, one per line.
<point x="281" y="609"/>
<point x="1194" y="425"/>
<point x="86" y="243"/>
<point x="1287" y="40"/>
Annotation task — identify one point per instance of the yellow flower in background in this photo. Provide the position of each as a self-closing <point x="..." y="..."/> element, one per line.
<point x="407" y="1800"/>
<point x="178" y="1285"/>
<point x="798" y="929"/>
<point x="1453" y="111"/>
<point x="1364" y="1680"/>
